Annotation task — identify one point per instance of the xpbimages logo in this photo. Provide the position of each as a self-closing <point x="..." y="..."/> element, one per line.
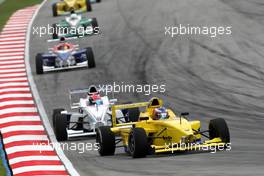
<point x="211" y="31"/>
<point x="62" y="31"/>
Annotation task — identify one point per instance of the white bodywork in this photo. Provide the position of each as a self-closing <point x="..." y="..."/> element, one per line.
<point x="93" y="115"/>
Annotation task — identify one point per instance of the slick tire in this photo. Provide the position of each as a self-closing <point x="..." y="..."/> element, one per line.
<point x="60" y="128"/>
<point x="55" y="113"/>
<point x="138" y="143"/>
<point x="95" y="26"/>
<point x="88" y="6"/>
<point x="90" y="57"/>
<point x="39" y="64"/>
<point x="55" y="32"/>
<point x="133" y="114"/>
<point x="54" y="10"/>
<point x="219" y="128"/>
<point x="106" y="141"/>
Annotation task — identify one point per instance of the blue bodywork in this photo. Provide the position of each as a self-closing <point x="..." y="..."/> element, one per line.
<point x="49" y="58"/>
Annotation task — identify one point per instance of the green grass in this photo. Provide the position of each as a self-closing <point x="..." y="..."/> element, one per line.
<point x="8" y="7"/>
<point x="2" y="169"/>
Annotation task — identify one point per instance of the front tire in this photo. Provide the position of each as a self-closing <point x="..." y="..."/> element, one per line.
<point x="106" y="140"/>
<point x="55" y="113"/>
<point x="138" y="143"/>
<point x="88" y="6"/>
<point x="219" y="128"/>
<point x="54" y="10"/>
<point x="39" y="64"/>
<point x="90" y="57"/>
<point x="60" y="127"/>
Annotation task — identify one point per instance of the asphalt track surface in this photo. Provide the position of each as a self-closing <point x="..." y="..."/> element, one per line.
<point x="210" y="78"/>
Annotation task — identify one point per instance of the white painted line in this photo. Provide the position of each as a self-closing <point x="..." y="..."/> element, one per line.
<point x="11" y="46"/>
<point x="12" y="62"/>
<point x="12" y="54"/>
<point x="13" y="38"/>
<point x="12" y="66"/>
<point x="31" y="158"/>
<point x="15" y="103"/>
<point x="12" y="49"/>
<point x="14" y="84"/>
<point x="14" y="32"/>
<point x="12" y="42"/>
<point x="24" y="148"/>
<point x="13" y="89"/>
<point x="20" y="118"/>
<point x="12" y="57"/>
<point x="17" y="138"/>
<point x="15" y="25"/>
<point x="70" y="168"/>
<point x="13" y="79"/>
<point x="21" y="128"/>
<point x="15" y="96"/>
<point x="13" y="29"/>
<point x="38" y="168"/>
<point x="17" y="110"/>
<point x="12" y="35"/>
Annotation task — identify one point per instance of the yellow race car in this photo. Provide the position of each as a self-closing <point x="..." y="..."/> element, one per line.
<point x="65" y="7"/>
<point x="156" y="130"/>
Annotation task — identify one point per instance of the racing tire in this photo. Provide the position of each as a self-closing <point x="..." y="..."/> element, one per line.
<point x="60" y="127"/>
<point x="39" y="64"/>
<point x="55" y="113"/>
<point x="106" y="141"/>
<point x="133" y="114"/>
<point x="138" y="143"/>
<point x="88" y="6"/>
<point x="54" y="10"/>
<point x="219" y="128"/>
<point x="90" y="57"/>
<point x="95" y="26"/>
<point x="55" y="34"/>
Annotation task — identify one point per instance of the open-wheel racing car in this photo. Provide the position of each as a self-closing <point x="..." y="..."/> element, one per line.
<point x="64" y="7"/>
<point x="64" y="56"/>
<point x="91" y="111"/>
<point x="75" y="26"/>
<point x="157" y="130"/>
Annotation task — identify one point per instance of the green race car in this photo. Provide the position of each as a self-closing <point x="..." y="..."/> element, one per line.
<point x="75" y="26"/>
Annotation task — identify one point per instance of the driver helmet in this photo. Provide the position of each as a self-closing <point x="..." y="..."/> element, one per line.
<point x="160" y="113"/>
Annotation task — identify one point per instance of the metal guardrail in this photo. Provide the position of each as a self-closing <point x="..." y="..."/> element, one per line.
<point x="3" y="157"/>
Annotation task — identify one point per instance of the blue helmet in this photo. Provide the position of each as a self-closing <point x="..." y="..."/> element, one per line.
<point x="160" y="113"/>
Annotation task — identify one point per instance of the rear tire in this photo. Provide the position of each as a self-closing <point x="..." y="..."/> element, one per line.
<point x="54" y="9"/>
<point x="88" y="6"/>
<point x="219" y="128"/>
<point x="138" y="143"/>
<point x="95" y="26"/>
<point x="60" y="127"/>
<point x="39" y="64"/>
<point x="55" y="113"/>
<point x="133" y="114"/>
<point x="106" y="140"/>
<point x="90" y="57"/>
<point x="55" y="34"/>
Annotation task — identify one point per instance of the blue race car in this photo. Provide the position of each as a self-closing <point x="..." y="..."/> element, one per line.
<point x="64" y="56"/>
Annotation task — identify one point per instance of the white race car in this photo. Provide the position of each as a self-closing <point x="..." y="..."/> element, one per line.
<point x="91" y="111"/>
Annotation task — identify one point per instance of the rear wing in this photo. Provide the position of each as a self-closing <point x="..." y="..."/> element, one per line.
<point x="125" y="106"/>
<point x="75" y="95"/>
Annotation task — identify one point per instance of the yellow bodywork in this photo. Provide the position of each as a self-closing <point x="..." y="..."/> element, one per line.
<point x="66" y="6"/>
<point x="166" y="133"/>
